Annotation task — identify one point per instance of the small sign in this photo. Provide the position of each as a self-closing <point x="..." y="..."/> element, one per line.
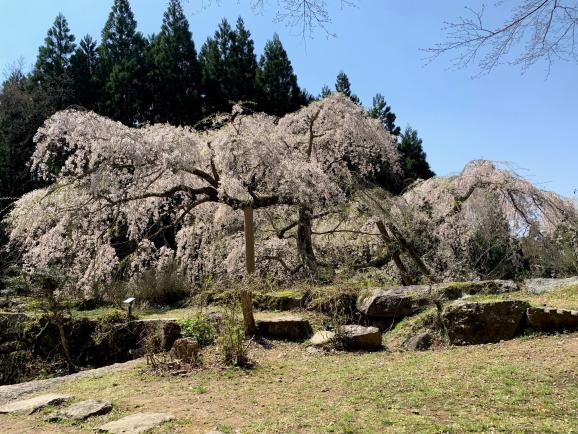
<point x="129" y="300"/>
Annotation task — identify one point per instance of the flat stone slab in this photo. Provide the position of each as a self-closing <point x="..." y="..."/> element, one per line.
<point x="136" y="423"/>
<point x="32" y="405"/>
<point x="285" y="328"/>
<point x="82" y="410"/>
<point x="552" y="319"/>
<point x="361" y="337"/>
<point x="322" y="338"/>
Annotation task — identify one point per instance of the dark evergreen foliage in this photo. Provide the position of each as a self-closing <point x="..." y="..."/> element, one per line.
<point x="280" y="93"/>
<point x="343" y="85"/>
<point x="175" y="75"/>
<point x="84" y="73"/>
<point x="414" y="162"/>
<point x="123" y="67"/>
<point x="380" y="110"/>
<point x="229" y="68"/>
<point x="51" y="72"/>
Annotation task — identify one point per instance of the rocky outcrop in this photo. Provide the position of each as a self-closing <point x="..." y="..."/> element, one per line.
<point x="402" y="301"/>
<point x="468" y="323"/>
<point x="26" y="343"/>
<point x="551" y="319"/>
<point x="285" y="328"/>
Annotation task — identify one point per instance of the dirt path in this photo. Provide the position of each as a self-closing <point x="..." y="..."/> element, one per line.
<point x="15" y="391"/>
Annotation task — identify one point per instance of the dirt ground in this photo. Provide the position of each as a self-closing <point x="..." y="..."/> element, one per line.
<point x="527" y="385"/>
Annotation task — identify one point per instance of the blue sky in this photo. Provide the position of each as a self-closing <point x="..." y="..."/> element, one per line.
<point x="528" y="119"/>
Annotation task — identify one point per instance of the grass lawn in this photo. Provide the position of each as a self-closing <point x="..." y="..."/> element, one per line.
<point x="527" y="385"/>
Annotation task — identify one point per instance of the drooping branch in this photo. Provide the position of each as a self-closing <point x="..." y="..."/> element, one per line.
<point x="544" y="29"/>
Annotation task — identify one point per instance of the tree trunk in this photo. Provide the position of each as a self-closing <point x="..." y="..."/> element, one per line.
<point x="246" y="295"/>
<point x="403" y="271"/>
<point x="411" y="252"/>
<point x="304" y="241"/>
<point x="249" y="241"/>
<point x="64" y="342"/>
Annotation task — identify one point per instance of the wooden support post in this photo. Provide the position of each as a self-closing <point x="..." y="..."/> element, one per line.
<point x="246" y="295"/>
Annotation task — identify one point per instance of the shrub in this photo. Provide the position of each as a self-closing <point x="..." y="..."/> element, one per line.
<point x="161" y="287"/>
<point x="234" y="348"/>
<point x="198" y="327"/>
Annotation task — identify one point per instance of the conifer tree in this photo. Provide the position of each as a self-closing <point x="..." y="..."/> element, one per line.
<point x="83" y="72"/>
<point x="51" y="69"/>
<point x="123" y="52"/>
<point x="280" y="93"/>
<point x="244" y="65"/>
<point x="23" y="108"/>
<point x="380" y="110"/>
<point x="325" y="91"/>
<point x="229" y="67"/>
<point x="343" y="85"/>
<point x="414" y="162"/>
<point x="175" y="72"/>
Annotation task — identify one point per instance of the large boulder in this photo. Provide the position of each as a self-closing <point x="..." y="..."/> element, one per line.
<point x="473" y="323"/>
<point x="551" y="319"/>
<point x="358" y="337"/>
<point x="395" y="303"/>
<point x="285" y="328"/>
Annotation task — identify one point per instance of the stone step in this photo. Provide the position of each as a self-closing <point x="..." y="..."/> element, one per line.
<point x="136" y="423"/>
<point x="33" y="405"/>
<point x="552" y="319"/>
<point x="82" y="410"/>
<point x="285" y="328"/>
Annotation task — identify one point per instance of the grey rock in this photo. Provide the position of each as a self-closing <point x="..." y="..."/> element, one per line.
<point x="32" y="405"/>
<point x="393" y="303"/>
<point x="136" y="423"/>
<point x="473" y="323"/>
<point x="401" y="301"/>
<point x="82" y="410"/>
<point x="322" y="338"/>
<point x="285" y="328"/>
<point x="420" y="342"/>
<point x="551" y="319"/>
<point x="360" y="337"/>
<point x="286" y="300"/>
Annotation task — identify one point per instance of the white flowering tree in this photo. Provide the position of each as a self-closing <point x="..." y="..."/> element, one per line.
<point x="158" y="176"/>
<point x="444" y="215"/>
